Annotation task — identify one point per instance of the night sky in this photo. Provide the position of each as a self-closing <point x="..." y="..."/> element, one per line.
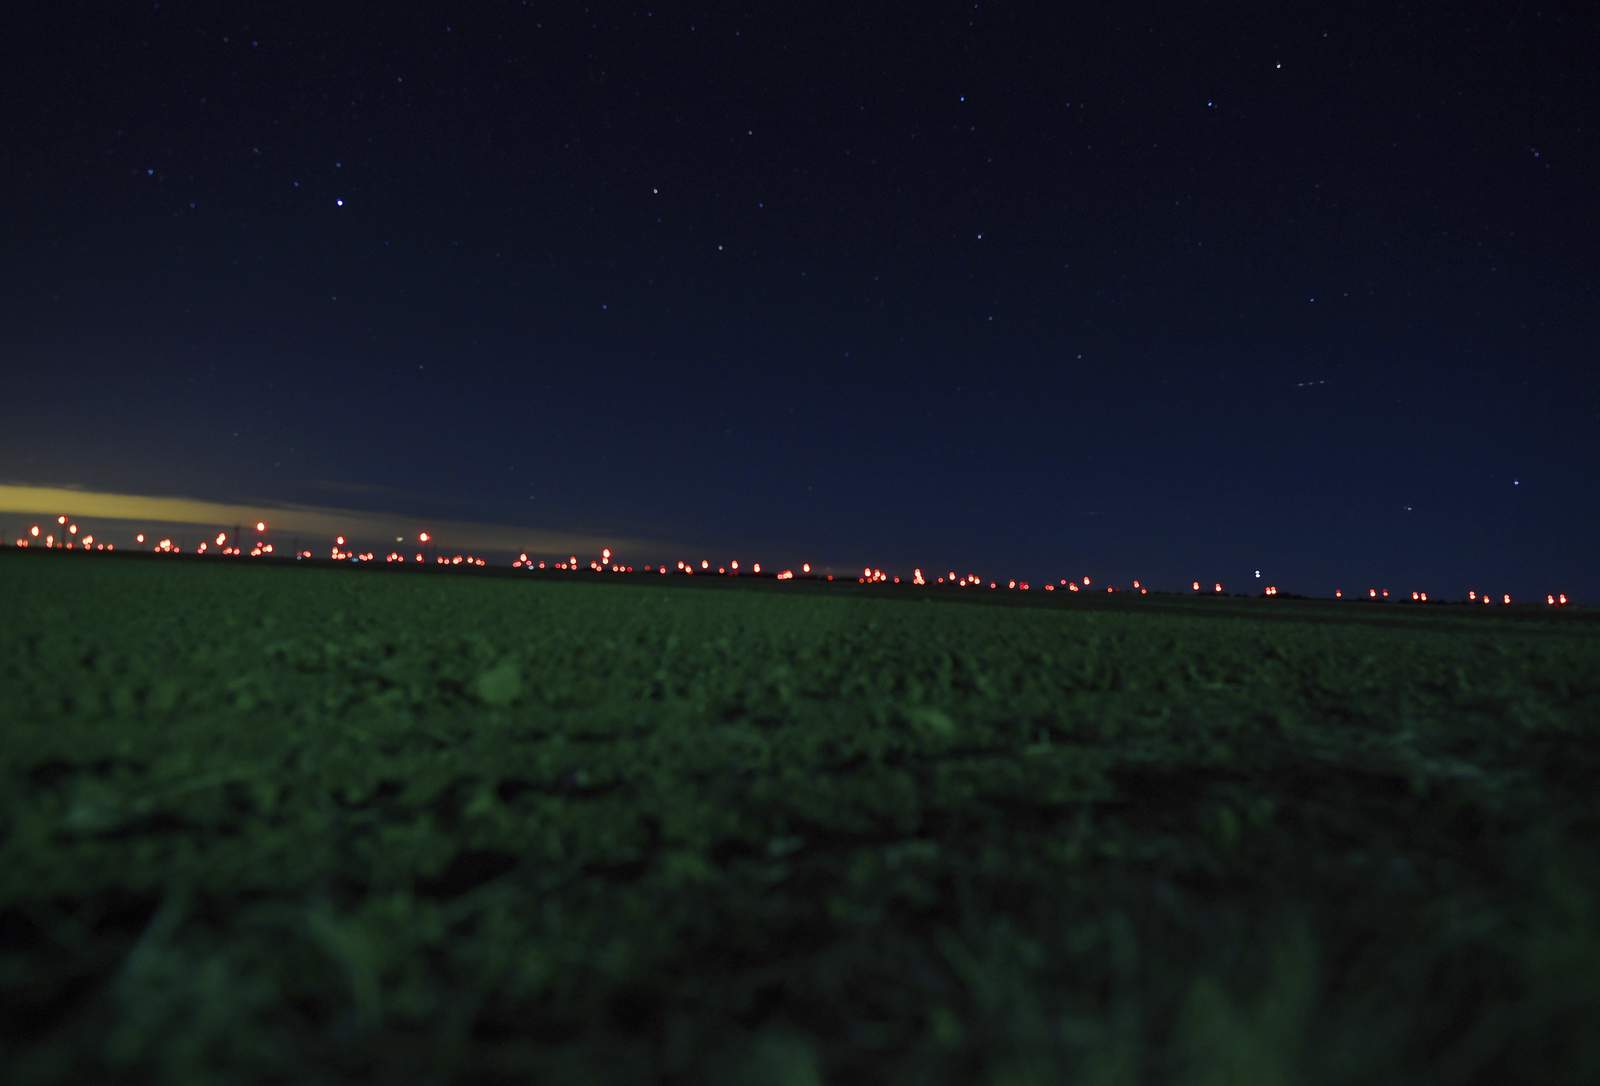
<point x="1021" y="290"/>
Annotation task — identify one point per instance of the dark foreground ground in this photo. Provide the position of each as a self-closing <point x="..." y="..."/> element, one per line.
<point x="313" y="825"/>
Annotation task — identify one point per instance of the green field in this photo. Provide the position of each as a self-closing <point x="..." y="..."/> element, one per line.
<point x="311" y="825"/>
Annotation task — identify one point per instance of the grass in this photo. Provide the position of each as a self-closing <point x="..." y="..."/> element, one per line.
<point x="314" y="825"/>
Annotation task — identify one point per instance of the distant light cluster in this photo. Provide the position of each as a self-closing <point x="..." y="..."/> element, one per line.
<point x="343" y="551"/>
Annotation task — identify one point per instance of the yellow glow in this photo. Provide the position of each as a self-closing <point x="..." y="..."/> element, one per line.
<point x="173" y="512"/>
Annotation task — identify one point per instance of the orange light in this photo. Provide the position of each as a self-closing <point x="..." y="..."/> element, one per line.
<point x="1506" y="599"/>
<point x="805" y="567"/>
<point x="34" y="531"/>
<point x="1218" y="586"/>
<point x="1562" y="599"/>
<point x="1472" y="594"/>
<point x="1550" y="599"/>
<point x="1338" y="593"/>
<point x="72" y="529"/>
<point x="1086" y="581"/>
<point x="1195" y="586"/>
<point x="734" y="565"/>
<point x="139" y="538"/>
<point x="339" y="539"/>
<point x="423" y="537"/>
<point x="222" y="537"/>
<point x="62" y="519"/>
<point x="1372" y="593"/>
<point x="705" y="563"/>
<point x="756" y="568"/>
<point x="261" y="525"/>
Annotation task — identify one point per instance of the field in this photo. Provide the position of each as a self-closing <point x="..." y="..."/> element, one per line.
<point x="307" y="825"/>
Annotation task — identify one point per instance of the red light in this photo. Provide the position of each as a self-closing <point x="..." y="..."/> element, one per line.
<point x="805" y="567"/>
<point x="1195" y="585"/>
<point x="261" y="525"/>
<point x="1338" y="593"/>
<point x="339" y="539"/>
<point x="34" y="531"/>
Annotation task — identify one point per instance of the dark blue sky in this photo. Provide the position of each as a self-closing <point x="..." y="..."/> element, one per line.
<point x="1141" y="292"/>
